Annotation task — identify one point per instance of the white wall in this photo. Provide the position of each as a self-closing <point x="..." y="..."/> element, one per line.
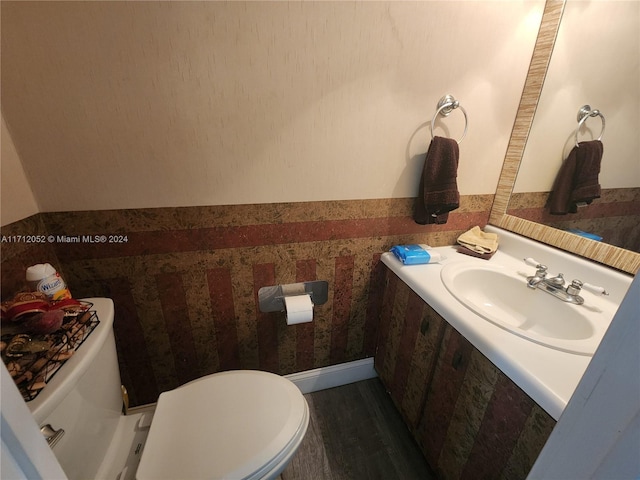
<point x="595" y="61"/>
<point x="16" y="198"/>
<point x="151" y="104"/>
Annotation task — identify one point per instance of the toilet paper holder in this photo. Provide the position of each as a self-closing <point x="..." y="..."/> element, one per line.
<point x="271" y="299"/>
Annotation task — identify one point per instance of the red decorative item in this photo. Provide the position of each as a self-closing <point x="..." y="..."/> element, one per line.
<point x="26" y="303"/>
<point x="44" y="323"/>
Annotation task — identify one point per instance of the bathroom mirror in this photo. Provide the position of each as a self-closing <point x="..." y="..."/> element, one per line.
<point x="522" y="138"/>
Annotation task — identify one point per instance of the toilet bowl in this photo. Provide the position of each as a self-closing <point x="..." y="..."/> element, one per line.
<point x="233" y="425"/>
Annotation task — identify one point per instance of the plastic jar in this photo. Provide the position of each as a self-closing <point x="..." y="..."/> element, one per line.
<point x="44" y="278"/>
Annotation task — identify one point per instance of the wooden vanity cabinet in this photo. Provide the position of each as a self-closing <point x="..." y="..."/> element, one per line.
<point x="469" y="419"/>
<point x="409" y="336"/>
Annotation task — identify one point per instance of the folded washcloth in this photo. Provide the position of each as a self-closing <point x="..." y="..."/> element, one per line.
<point x="577" y="180"/>
<point x="466" y="251"/>
<point x="438" y="191"/>
<point x="479" y="241"/>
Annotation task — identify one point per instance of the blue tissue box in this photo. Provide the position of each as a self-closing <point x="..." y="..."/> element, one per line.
<point x="414" y="254"/>
<point x="592" y="236"/>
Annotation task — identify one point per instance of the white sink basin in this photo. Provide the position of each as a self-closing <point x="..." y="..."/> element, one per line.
<point x="500" y="296"/>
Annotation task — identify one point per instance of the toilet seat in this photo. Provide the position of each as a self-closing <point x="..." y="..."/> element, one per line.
<point x="241" y="424"/>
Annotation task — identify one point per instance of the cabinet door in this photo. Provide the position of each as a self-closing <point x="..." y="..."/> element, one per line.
<point x="410" y="332"/>
<point x="476" y="422"/>
<point x="445" y="389"/>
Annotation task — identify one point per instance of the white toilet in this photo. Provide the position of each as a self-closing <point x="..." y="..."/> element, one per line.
<point x="241" y="424"/>
<point x="232" y="425"/>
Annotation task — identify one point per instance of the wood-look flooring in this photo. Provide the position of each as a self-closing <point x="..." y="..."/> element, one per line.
<point x="356" y="433"/>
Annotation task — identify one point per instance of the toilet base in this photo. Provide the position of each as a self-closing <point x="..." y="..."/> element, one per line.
<point x="123" y="457"/>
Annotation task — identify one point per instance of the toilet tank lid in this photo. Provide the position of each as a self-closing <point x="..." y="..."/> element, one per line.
<point x="225" y="425"/>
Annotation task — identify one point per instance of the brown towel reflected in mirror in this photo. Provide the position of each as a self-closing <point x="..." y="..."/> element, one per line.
<point x="577" y="181"/>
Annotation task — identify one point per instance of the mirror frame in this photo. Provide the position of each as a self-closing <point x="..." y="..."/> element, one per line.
<point x="615" y="257"/>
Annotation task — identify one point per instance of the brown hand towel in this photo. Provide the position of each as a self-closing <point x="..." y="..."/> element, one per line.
<point x="577" y="179"/>
<point x="438" y="191"/>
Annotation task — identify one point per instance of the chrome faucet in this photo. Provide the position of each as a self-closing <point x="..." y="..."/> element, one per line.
<point x="558" y="280"/>
<point x="555" y="285"/>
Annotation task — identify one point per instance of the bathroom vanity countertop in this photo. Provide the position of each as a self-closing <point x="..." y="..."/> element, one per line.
<point x="547" y="375"/>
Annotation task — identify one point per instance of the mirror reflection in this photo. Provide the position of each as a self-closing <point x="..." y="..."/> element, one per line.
<point x="595" y="62"/>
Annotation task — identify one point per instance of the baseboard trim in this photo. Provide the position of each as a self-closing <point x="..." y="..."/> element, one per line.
<point x="333" y="375"/>
<point x="313" y="380"/>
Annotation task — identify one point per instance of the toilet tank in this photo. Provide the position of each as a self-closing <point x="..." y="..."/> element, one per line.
<point x="84" y="399"/>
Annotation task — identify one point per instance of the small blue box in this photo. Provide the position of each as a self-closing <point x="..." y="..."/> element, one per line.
<point x="415" y="254"/>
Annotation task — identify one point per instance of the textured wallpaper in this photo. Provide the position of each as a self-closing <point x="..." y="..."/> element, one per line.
<point x="185" y="280"/>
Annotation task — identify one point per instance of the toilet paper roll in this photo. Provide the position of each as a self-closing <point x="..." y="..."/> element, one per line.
<point x="299" y="309"/>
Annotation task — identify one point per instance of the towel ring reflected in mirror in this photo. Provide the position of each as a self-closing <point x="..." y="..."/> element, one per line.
<point x="446" y="105"/>
<point x="584" y="113"/>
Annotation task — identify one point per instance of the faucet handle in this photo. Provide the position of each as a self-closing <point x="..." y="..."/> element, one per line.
<point x="532" y="262"/>
<point x="575" y="287"/>
<point x="535" y="263"/>
<point x="594" y="289"/>
<point x="541" y="270"/>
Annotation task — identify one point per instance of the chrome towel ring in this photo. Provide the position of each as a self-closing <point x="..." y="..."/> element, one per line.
<point x="446" y="105"/>
<point x="583" y="114"/>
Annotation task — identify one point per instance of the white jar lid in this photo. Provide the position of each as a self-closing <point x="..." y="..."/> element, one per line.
<point x="39" y="271"/>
